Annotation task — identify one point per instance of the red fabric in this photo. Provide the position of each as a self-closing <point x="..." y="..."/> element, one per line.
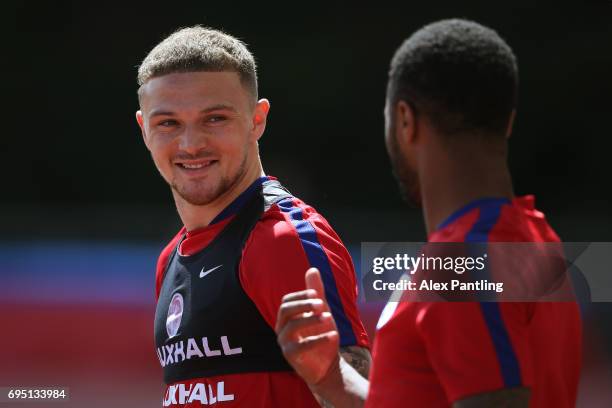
<point x="250" y="390"/>
<point x="433" y="354"/>
<point x="273" y="264"/>
<point x="277" y="263"/>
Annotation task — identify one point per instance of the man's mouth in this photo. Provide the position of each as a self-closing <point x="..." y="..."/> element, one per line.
<point x="196" y="164"/>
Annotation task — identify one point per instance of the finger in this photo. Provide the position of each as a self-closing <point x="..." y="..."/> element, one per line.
<point x="289" y="310"/>
<point x="306" y="326"/>
<point x="313" y="281"/>
<point x="303" y="294"/>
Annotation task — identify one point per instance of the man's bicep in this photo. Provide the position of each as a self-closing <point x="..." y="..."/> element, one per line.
<point x="506" y="398"/>
<point x="275" y="261"/>
<point x="339" y="278"/>
<point x="270" y="268"/>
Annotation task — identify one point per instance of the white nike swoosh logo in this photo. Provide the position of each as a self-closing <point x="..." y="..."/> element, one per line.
<point x="203" y="273"/>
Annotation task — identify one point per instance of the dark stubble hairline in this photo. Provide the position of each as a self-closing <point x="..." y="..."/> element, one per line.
<point x="224" y="186"/>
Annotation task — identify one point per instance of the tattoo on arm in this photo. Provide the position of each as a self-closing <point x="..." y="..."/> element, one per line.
<point x="323" y="403"/>
<point x="359" y="358"/>
<point x="507" y="398"/>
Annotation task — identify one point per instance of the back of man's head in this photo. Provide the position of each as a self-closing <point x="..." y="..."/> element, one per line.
<point x="459" y="74"/>
<point x="196" y="49"/>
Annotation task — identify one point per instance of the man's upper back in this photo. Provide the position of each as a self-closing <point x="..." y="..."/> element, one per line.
<point x="439" y="353"/>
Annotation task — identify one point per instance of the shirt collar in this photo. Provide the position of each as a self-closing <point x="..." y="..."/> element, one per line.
<point x="481" y="202"/>
<point x="240" y="201"/>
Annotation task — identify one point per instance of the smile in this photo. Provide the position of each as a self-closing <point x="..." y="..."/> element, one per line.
<point x="196" y="164"/>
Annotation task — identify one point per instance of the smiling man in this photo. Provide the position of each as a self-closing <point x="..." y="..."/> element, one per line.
<point x="246" y="240"/>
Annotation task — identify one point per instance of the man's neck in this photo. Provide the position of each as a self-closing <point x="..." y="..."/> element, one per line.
<point x="452" y="180"/>
<point x="200" y="216"/>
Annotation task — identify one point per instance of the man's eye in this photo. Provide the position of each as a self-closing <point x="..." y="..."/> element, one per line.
<point x="215" y="119"/>
<point x="167" y="123"/>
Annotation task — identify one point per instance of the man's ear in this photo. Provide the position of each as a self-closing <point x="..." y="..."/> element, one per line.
<point x="260" y="116"/>
<point x="405" y="124"/>
<point x="510" y="124"/>
<point x="141" y="124"/>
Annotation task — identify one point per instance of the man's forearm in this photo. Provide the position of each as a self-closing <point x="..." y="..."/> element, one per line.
<point x="343" y="387"/>
<point x="357" y="357"/>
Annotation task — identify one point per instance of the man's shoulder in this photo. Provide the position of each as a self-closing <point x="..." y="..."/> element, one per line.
<point x="523" y="226"/>
<point x="289" y="205"/>
<point x="514" y="221"/>
<point x="290" y="218"/>
<point x="292" y="232"/>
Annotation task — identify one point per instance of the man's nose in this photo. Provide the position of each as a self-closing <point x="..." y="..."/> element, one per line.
<point x="193" y="140"/>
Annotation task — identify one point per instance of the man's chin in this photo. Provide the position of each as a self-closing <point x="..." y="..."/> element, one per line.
<point x="199" y="196"/>
<point x="206" y="190"/>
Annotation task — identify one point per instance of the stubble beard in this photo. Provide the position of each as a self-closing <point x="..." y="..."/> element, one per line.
<point x="197" y="193"/>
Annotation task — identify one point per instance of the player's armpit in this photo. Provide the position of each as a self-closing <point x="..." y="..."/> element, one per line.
<point x="359" y="358"/>
<point x="506" y="398"/>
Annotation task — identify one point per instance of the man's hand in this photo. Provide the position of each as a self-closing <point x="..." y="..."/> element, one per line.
<point x="307" y="332"/>
<point x="309" y="339"/>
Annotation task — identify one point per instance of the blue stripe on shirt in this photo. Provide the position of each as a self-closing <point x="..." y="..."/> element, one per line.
<point x="509" y="365"/>
<point x="318" y="259"/>
<point x="239" y="201"/>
